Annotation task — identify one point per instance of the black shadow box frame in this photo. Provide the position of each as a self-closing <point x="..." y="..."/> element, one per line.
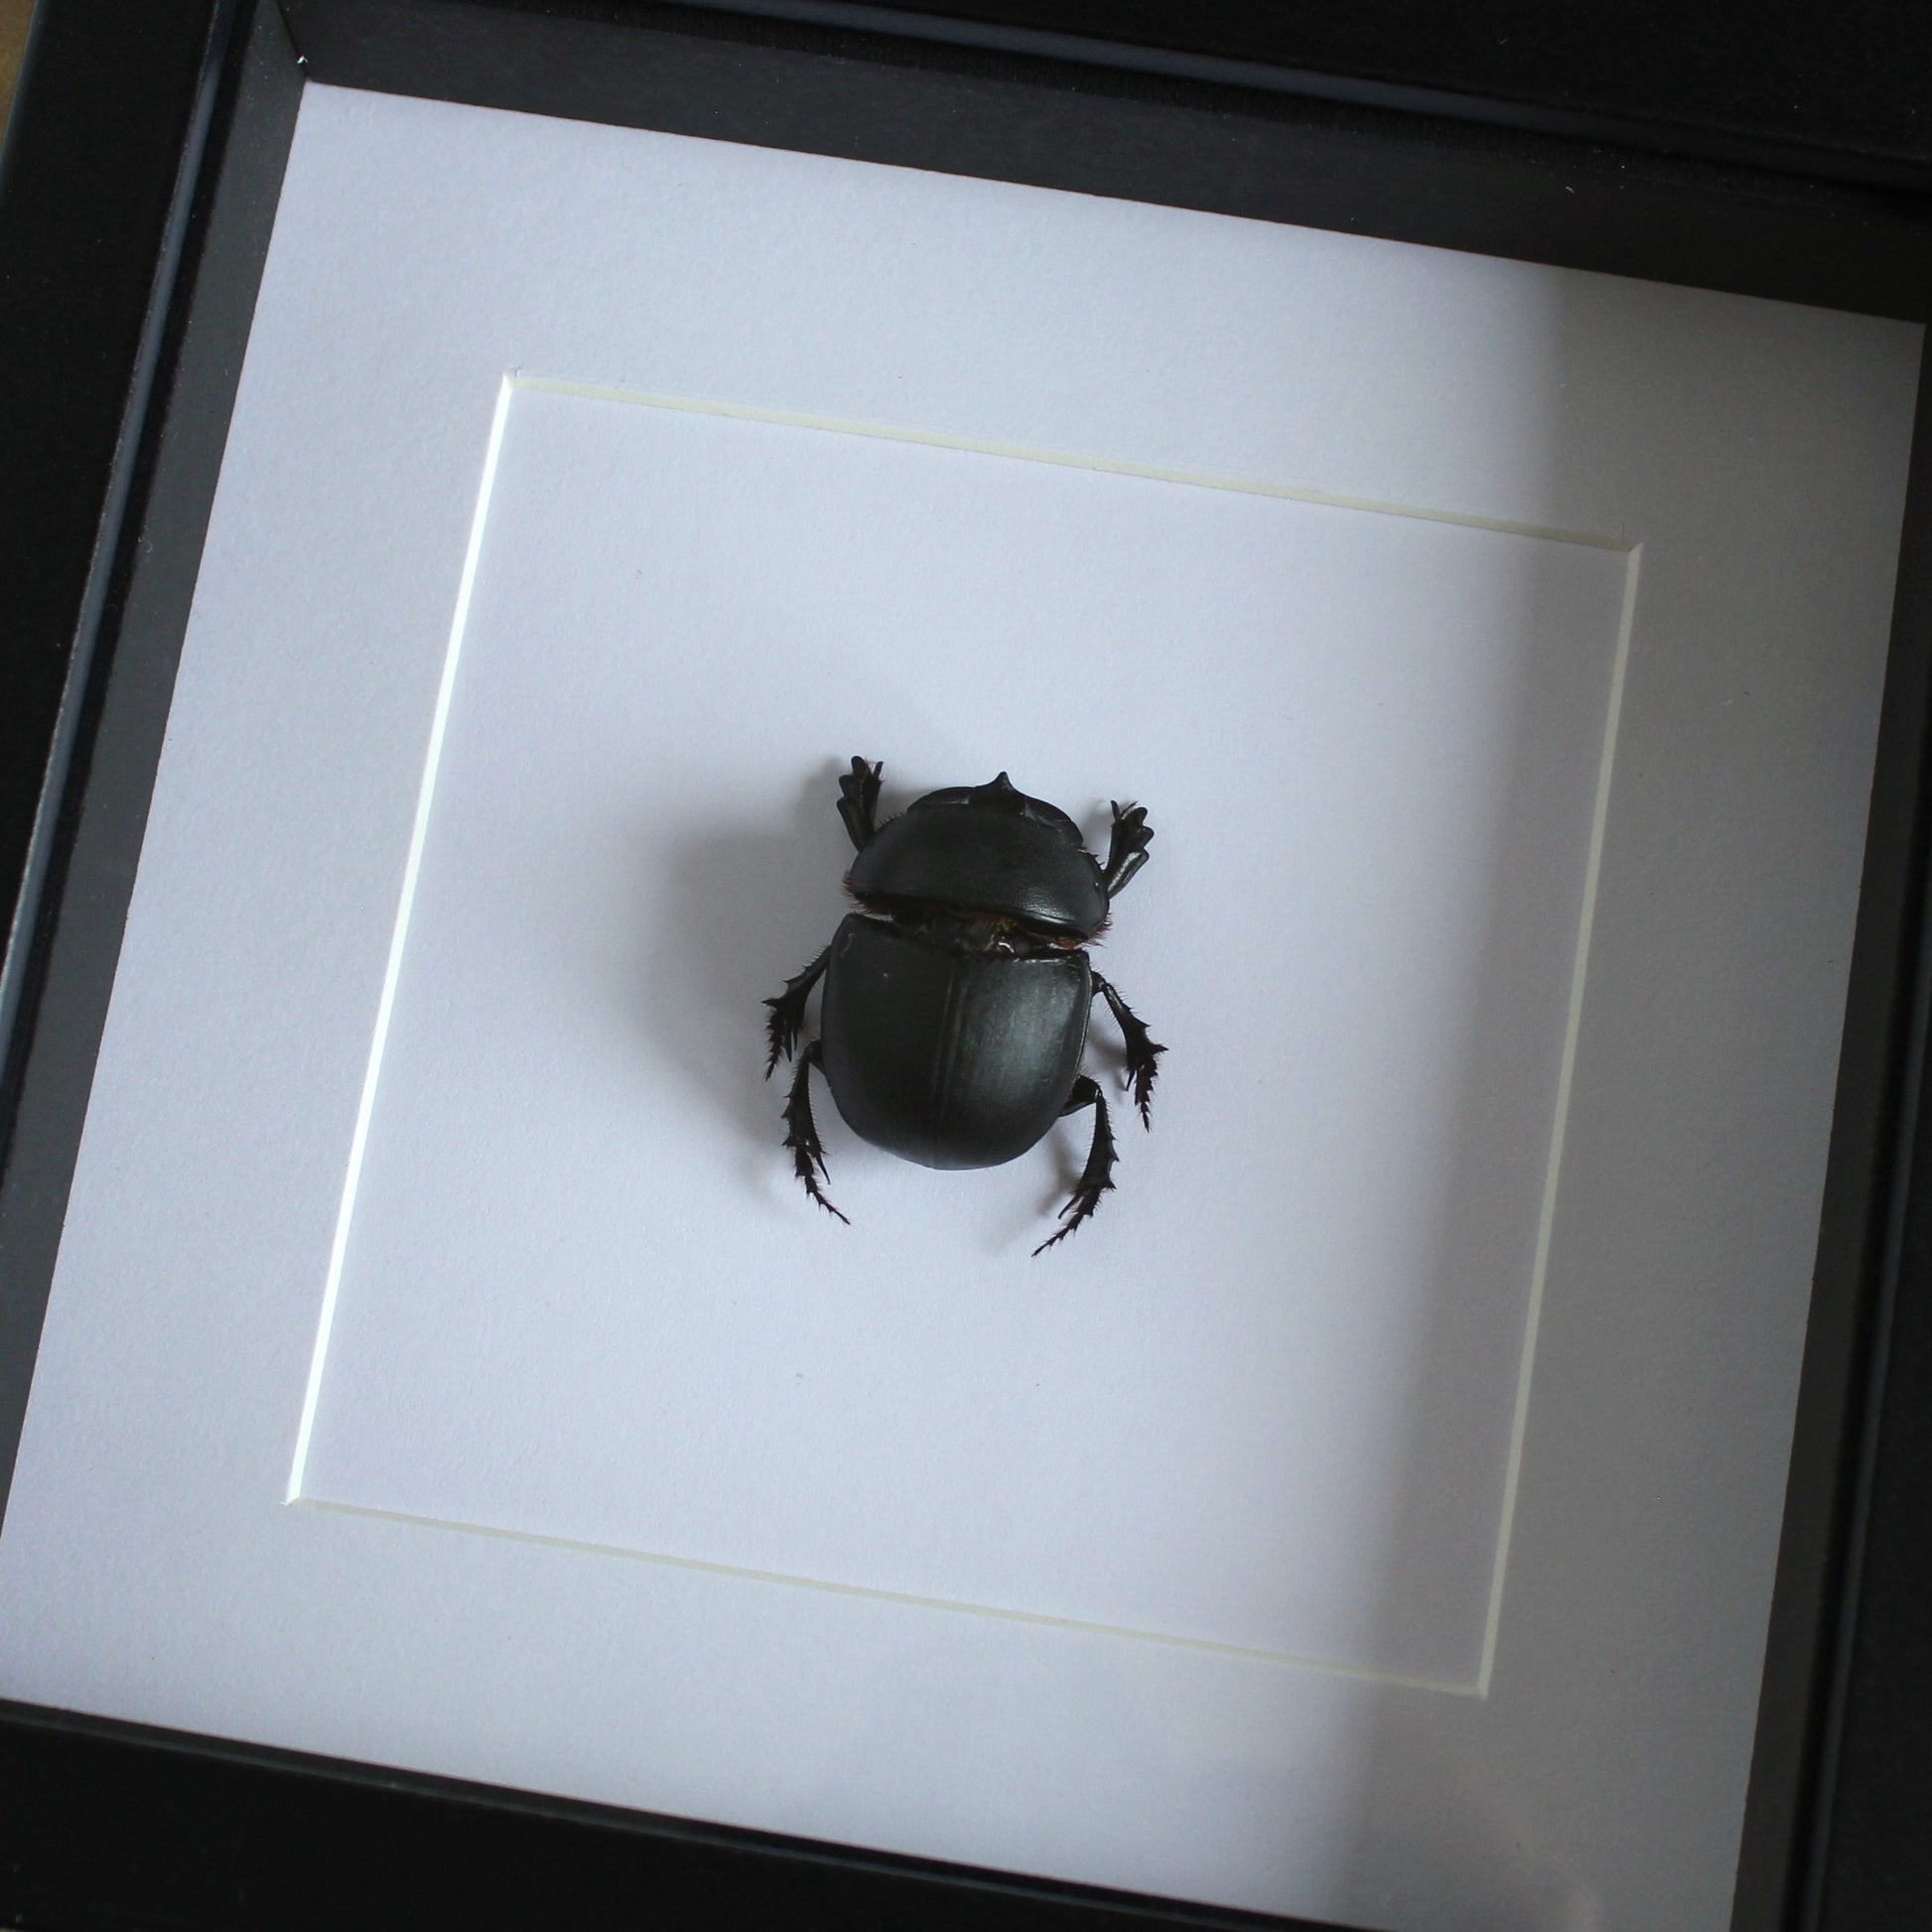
<point x="1706" y="144"/>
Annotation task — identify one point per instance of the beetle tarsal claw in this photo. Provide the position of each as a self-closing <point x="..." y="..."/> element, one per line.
<point x="1143" y="1050"/>
<point x="1079" y="1207"/>
<point x="781" y="1032"/>
<point x="801" y="1131"/>
<point x="1097" y="1176"/>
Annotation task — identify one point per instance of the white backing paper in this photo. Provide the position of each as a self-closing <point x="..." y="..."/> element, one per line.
<point x="581" y="1295"/>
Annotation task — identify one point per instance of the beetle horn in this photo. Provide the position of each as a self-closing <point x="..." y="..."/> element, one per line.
<point x="1003" y="794"/>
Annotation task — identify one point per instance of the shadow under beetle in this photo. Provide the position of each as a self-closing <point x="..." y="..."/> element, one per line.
<point x="956" y="1000"/>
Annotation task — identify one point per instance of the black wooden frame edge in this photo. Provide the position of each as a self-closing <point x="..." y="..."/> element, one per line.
<point x="1508" y="191"/>
<point x="109" y="597"/>
<point x="78" y="312"/>
<point x="1868" y="1861"/>
<point x="127" y="416"/>
<point x="1192" y="49"/>
<point x="276" y="1833"/>
<point x="1872" y="1547"/>
<point x="1794" y="1869"/>
<point x="1673" y="75"/>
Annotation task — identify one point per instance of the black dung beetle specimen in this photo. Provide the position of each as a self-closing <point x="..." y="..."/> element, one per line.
<point x="956" y="1001"/>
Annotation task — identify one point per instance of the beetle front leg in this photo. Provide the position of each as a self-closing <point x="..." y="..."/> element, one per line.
<point x="1127" y="849"/>
<point x="801" y="1131"/>
<point x="1143" y="1050"/>
<point x="1097" y="1176"/>
<point x="859" y="801"/>
<point x="787" y="1012"/>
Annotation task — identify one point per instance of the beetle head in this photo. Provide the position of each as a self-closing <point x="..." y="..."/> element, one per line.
<point x="987" y="848"/>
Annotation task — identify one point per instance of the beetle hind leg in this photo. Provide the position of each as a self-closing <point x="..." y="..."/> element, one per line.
<point x="1097" y="1176"/>
<point x="801" y="1131"/>
<point x="1143" y="1050"/>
